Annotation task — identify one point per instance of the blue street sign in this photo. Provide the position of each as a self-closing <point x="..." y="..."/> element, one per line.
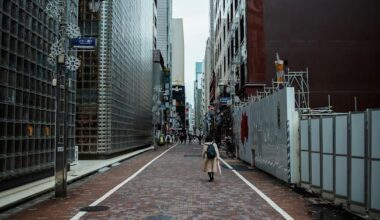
<point x="84" y="43"/>
<point x="224" y="100"/>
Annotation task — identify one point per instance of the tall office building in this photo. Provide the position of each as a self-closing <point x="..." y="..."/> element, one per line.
<point x="189" y="118"/>
<point x="208" y="67"/>
<point x="178" y="51"/>
<point x="164" y="19"/>
<point x="198" y="96"/>
<point x="178" y="71"/>
<point x="27" y="98"/>
<point x="114" y="88"/>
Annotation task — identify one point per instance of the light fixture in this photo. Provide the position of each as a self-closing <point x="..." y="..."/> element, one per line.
<point x="228" y="90"/>
<point x="221" y="85"/>
<point x="237" y="100"/>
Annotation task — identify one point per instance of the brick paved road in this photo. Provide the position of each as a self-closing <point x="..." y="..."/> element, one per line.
<point x="173" y="187"/>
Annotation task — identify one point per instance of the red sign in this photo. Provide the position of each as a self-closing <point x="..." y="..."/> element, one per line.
<point x="244" y="129"/>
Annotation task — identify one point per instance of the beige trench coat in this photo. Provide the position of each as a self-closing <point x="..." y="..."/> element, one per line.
<point x="210" y="165"/>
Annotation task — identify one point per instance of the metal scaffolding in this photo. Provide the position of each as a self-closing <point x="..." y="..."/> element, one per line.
<point x="297" y="79"/>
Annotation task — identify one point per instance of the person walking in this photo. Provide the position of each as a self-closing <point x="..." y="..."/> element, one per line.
<point x="210" y="155"/>
<point x="200" y="139"/>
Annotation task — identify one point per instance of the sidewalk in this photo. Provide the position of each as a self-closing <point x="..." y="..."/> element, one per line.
<point x="83" y="168"/>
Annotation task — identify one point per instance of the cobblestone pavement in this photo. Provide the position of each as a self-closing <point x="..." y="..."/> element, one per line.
<point x="82" y="193"/>
<point x="172" y="187"/>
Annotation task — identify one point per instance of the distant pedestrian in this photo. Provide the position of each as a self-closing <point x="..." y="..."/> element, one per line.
<point x="168" y="139"/>
<point x="200" y="139"/>
<point x="183" y="138"/>
<point x="210" y="155"/>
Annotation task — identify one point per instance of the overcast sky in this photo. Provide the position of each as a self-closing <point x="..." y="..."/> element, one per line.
<point x="196" y="28"/>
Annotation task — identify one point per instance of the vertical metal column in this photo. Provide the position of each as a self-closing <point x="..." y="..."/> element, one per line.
<point x="61" y="144"/>
<point x="60" y="155"/>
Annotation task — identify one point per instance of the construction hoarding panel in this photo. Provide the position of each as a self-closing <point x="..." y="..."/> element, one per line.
<point x="374" y="141"/>
<point x="266" y="133"/>
<point x="347" y="162"/>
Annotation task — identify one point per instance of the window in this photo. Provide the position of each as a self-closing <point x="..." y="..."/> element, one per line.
<point x="228" y="22"/>
<point x="14" y="10"/>
<point x="13" y="45"/>
<point x="4" y="41"/>
<point x="5" y="23"/>
<point x="231" y="12"/>
<point x="6" y="5"/>
<point x="242" y="75"/>
<point x="224" y="32"/>
<point x="242" y="29"/>
<point x="4" y="58"/>
<point x="21" y="16"/>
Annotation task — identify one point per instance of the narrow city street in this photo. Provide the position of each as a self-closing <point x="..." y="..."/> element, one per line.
<point x="169" y="184"/>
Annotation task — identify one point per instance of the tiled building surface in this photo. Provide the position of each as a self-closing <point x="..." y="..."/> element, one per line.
<point x="115" y="82"/>
<point x="27" y="97"/>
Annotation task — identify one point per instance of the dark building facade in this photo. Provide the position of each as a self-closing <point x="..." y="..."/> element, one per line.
<point x="338" y="41"/>
<point x="179" y="101"/>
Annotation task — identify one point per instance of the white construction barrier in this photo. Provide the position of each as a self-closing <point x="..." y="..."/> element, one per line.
<point x="340" y="158"/>
<point x="267" y="135"/>
<point x="336" y="155"/>
<point x="374" y="158"/>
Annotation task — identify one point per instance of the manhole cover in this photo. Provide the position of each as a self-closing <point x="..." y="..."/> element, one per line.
<point x="159" y="217"/>
<point x="192" y="155"/>
<point x="94" y="208"/>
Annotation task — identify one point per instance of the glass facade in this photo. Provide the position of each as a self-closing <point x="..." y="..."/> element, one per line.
<point x="27" y="98"/>
<point x="118" y="91"/>
<point x="87" y="83"/>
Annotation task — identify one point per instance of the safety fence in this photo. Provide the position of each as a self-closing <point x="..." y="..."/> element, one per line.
<point x="334" y="155"/>
<point x="340" y="158"/>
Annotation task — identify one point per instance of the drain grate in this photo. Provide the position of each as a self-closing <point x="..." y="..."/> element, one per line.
<point x="242" y="168"/>
<point x="224" y="166"/>
<point x="192" y="155"/>
<point x="94" y="208"/>
<point x="159" y="217"/>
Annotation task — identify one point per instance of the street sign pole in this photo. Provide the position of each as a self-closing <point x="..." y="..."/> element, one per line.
<point x="65" y="64"/>
<point x="61" y="111"/>
<point x="60" y="152"/>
